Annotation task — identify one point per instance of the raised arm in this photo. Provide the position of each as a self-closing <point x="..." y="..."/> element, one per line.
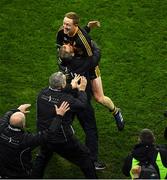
<point x="22" y="108"/>
<point x="79" y="102"/>
<point x="91" y="25"/>
<point x="33" y="140"/>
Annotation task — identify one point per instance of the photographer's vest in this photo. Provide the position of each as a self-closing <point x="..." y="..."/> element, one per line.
<point x="161" y="167"/>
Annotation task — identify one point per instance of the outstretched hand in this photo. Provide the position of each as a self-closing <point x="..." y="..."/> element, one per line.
<point x="64" y="107"/>
<point x="23" y="108"/>
<point x="93" y="24"/>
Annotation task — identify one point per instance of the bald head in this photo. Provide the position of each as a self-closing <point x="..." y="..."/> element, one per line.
<point x="17" y="120"/>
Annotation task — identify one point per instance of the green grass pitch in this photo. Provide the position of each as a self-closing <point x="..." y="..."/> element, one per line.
<point x="133" y="41"/>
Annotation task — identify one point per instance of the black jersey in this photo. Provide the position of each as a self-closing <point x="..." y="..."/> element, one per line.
<point x="81" y="65"/>
<point x="81" y="41"/>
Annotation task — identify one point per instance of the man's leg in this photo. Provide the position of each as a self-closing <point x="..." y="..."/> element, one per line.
<point x="78" y="154"/>
<point x="88" y="123"/>
<point x="97" y="89"/>
<point x="41" y="162"/>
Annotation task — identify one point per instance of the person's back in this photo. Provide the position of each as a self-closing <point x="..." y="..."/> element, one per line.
<point x="14" y="155"/>
<point x="46" y="101"/>
<point x="16" y="144"/>
<point x="145" y="156"/>
<point x="51" y="96"/>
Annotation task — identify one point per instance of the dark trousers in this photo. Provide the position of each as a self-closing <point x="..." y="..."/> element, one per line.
<point x="72" y="150"/>
<point x="88" y="123"/>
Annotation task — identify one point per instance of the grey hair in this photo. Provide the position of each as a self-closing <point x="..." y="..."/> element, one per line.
<point x="57" y="80"/>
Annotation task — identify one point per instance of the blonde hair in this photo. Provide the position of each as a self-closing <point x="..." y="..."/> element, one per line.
<point x="74" y="16"/>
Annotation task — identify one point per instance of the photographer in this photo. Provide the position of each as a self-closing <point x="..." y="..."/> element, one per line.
<point x="147" y="159"/>
<point x="63" y="142"/>
<point x="16" y="144"/>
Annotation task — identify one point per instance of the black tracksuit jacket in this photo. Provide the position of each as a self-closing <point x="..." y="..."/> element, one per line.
<point x="81" y="65"/>
<point x="46" y="100"/>
<point x="16" y="146"/>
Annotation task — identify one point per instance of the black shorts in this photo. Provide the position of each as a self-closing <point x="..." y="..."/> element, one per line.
<point x="94" y="73"/>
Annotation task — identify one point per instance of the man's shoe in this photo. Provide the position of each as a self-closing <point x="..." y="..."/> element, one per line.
<point x="99" y="165"/>
<point x="119" y="120"/>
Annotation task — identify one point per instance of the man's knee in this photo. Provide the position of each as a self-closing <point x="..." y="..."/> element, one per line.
<point x="99" y="99"/>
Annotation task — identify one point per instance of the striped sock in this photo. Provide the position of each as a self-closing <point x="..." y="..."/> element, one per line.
<point x="114" y="111"/>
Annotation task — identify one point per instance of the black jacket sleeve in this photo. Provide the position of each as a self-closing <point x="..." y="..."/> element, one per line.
<point x="59" y="43"/>
<point x="80" y="102"/>
<point x="89" y="61"/>
<point x="33" y="140"/>
<point x="59" y="38"/>
<point x="6" y="117"/>
<point x="87" y="29"/>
